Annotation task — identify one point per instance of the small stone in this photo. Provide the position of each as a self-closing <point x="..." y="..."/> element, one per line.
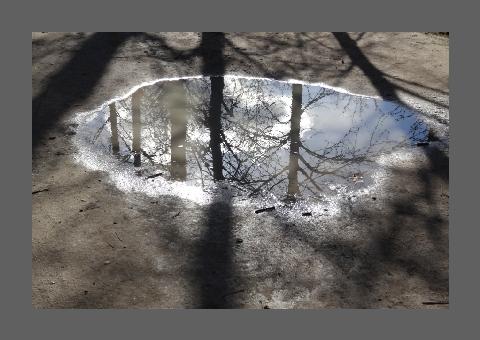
<point x="52" y="282"/>
<point x="238" y="240"/>
<point x="106" y="262"/>
<point x="85" y="292"/>
<point x="374" y="198"/>
<point x="81" y="210"/>
<point x="423" y="143"/>
<point x="266" y="307"/>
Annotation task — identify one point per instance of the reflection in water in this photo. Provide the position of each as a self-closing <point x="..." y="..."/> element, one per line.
<point x="114" y="129"/>
<point x="265" y="137"/>
<point x="136" y="128"/>
<point x="293" y="188"/>
<point x="215" y="125"/>
<point x="177" y="107"/>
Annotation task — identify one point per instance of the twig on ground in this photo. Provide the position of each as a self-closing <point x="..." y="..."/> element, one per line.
<point x="264" y="209"/>
<point x="118" y="236"/>
<point x="154" y="175"/>
<point x="435" y="303"/>
<point x="37" y="191"/>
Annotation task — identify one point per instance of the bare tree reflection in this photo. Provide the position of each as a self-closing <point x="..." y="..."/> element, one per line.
<point x="294" y="141"/>
<point x="215" y="125"/>
<point x="262" y="137"/>
<point x="114" y="129"/>
<point x="177" y="107"/>
<point x="136" y="128"/>
<point x="257" y="156"/>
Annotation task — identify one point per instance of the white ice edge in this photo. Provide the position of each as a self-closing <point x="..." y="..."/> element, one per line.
<point x="288" y="81"/>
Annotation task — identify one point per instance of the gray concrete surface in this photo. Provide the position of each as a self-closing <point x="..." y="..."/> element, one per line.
<point x="96" y="247"/>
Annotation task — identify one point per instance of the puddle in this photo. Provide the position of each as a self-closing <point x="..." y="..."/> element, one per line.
<point x="247" y="140"/>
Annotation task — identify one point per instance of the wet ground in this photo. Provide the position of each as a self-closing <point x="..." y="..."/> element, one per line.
<point x="232" y="191"/>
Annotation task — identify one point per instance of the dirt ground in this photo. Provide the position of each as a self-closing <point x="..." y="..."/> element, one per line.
<point x="94" y="246"/>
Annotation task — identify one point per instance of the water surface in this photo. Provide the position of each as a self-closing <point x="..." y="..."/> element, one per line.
<point x="256" y="139"/>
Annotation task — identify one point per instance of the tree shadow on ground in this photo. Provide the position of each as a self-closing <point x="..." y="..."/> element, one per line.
<point x="386" y="89"/>
<point x="214" y="265"/>
<point x="213" y="270"/>
<point x="408" y="237"/>
<point x="74" y="82"/>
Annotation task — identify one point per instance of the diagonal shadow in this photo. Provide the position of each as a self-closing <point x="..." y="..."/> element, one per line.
<point x="397" y="245"/>
<point x="385" y="88"/>
<point x="398" y="238"/>
<point x="74" y="82"/>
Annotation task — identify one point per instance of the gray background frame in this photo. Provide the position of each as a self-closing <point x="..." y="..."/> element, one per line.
<point x="22" y="321"/>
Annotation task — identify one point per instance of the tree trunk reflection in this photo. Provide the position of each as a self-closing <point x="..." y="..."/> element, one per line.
<point x="215" y="125"/>
<point x="136" y="128"/>
<point x="293" y="187"/>
<point x="114" y="129"/>
<point x="178" y="111"/>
